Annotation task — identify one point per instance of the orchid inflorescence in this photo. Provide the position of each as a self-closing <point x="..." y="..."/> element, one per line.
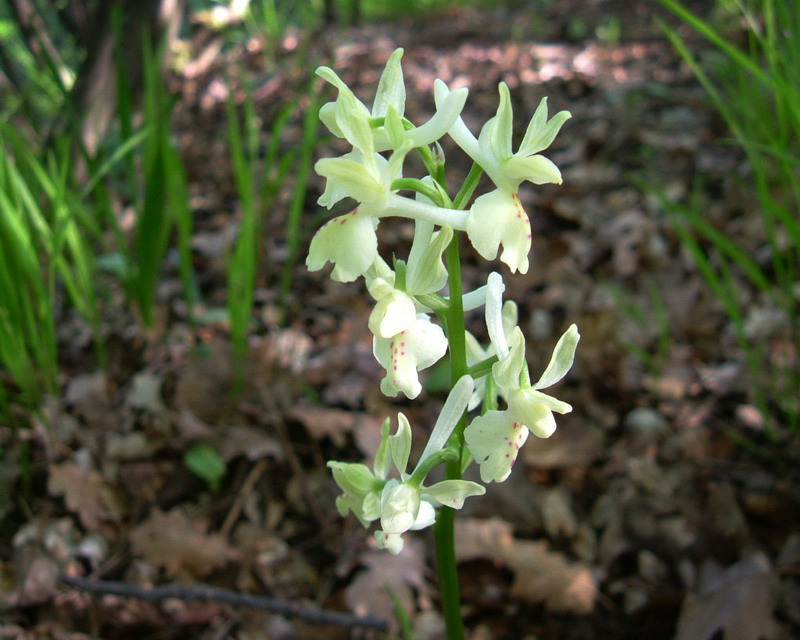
<point x="408" y="294"/>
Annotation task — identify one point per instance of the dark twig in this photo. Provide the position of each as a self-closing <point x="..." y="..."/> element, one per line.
<point x="225" y="596"/>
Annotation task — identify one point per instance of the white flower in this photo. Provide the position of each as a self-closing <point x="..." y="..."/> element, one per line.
<point x="407" y="504"/>
<point x="348" y="241"/>
<point x="500" y="322"/>
<point x="403" y="355"/>
<point x="495" y="438"/>
<point x="347" y="117"/>
<point x="366" y="178"/>
<point x="362" y="487"/>
<point x="498" y="217"/>
<point x="396" y="308"/>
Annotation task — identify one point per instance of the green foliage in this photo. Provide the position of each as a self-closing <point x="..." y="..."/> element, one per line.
<point x="203" y="460"/>
<point x="305" y="159"/>
<point x="645" y="316"/>
<point x="161" y="202"/>
<point x="41" y="69"/>
<point x="257" y="181"/>
<point x="43" y="253"/>
<point x="756" y="88"/>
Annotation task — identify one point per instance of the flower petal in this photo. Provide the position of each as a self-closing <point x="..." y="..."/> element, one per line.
<point x="426" y="516"/>
<point x="348" y="504"/>
<point x="354" y="479"/>
<point x="412" y="350"/>
<point x="352" y="117"/>
<point x="496" y="134"/>
<point x="392" y="314"/>
<point x="383" y="460"/>
<point x="498" y="218"/>
<point x="348" y="241"/>
<point x="541" y="133"/>
<point x="452" y="493"/>
<point x="458" y="131"/>
<point x="507" y="371"/>
<point x="399" y="506"/>
<point x="391" y="87"/>
<point x="447" y="112"/>
<point x="494" y="314"/>
<point x="532" y="396"/>
<point x="535" y="410"/>
<point x="494" y="440"/>
<point x="427" y="274"/>
<point x="561" y="360"/>
<point x="392" y="542"/>
<point x="400" y="443"/>
<point x="535" y="169"/>
<point x="350" y="177"/>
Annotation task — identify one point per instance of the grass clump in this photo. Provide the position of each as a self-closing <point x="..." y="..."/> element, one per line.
<point x="755" y="86"/>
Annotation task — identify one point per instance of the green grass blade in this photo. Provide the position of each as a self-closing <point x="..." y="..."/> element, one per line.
<point x="305" y="160"/>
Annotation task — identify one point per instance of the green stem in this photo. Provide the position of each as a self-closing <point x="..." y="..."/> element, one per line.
<point x="468" y="188"/>
<point x="429" y="191"/>
<point x="483" y="368"/>
<point x="444" y="529"/>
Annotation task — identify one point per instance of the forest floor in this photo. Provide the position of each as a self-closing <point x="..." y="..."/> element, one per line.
<point x="640" y="518"/>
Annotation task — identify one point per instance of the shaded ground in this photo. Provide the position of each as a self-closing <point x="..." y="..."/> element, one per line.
<point x="638" y="518"/>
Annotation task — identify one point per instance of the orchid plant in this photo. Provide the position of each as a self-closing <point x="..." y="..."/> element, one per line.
<point x="410" y="299"/>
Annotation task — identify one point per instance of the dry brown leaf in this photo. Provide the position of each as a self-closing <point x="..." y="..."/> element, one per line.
<point x="174" y="542"/>
<point x="547" y="576"/>
<point x="572" y="445"/>
<point x="89" y="398"/>
<point x="43" y="549"/>
<point x="475" y="537"/>
<point x="250" y="442"/>
<point x="368" y="592"/>
<point x="38" y="582"/>
<point x="335" y="424"/>
<point x="739" y="602"/>
<point x="85" y="493"/>
<point x="540" y="575"/>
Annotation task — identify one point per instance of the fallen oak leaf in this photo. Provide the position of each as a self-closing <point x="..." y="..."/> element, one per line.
<point x="739" y="602"/>
<point x="84" y="493"/>
<point x="404" y="573"/>
<point x="547" y="576"/>
<point x="540" y="575"/>
<point x="174" y="542"/>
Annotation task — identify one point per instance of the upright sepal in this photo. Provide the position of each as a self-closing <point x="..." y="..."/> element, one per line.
<point x="400" y="443"/>
<point x="391" y="87"/>
<point x="561" y="360"/>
